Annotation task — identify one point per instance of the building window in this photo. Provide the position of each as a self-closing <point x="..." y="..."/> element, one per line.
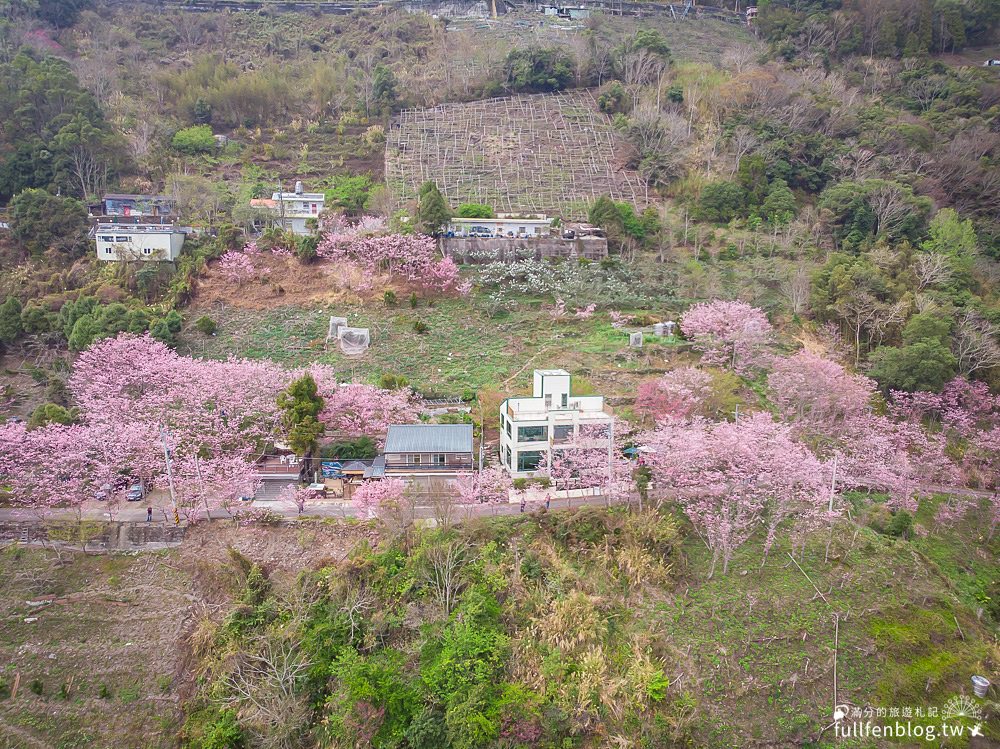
<point x="508" y="429"/>
<point x="529" y="460"/>
<point x="146" y="251"/>
<point x="438" y="459"/>
<point x="562" y="432"/>
<point x="107" y="239"/>
<point x="565" y="400"/>
<point x="532" y="434"/>
<point x="415" y="460"/>
<point x="121" y="239"/>
<point x="548" y="402"/>
<point x="522" y="230"/>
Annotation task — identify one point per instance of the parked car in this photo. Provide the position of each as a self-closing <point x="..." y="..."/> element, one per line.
<point x="136" y="492"/>
<point x="103" y="493"/>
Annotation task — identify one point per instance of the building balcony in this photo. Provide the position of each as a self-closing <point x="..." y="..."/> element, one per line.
<point x="428" y="467"/>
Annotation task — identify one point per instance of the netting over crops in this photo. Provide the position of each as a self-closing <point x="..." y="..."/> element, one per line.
<point x="540" y="153"/>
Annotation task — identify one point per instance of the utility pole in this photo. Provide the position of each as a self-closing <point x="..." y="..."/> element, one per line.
<point x="170" y="476"/>
<point x="611" y="460"/>
<point x="833" y="482"/>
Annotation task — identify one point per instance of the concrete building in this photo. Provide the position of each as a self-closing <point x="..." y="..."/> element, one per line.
<point x="428" y="450"/>
<point x="503" y="226"/>
<point x="118" y="204"/>
<point x="138" y="241"/>
<point x="298" y="211"/>
<point x="551" y="419"/>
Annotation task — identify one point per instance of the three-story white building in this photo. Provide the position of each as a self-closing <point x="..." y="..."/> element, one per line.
<point x="552" y="419"/>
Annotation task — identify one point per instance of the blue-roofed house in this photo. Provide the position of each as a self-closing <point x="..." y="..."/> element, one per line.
<point x="428" y="449"/>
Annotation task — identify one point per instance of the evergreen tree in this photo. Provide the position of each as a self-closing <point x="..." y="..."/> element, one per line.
<point x="301" y="405"/>
<point x="432" y="211"/>
<point x="779" y="205"/>
<point x="10" y="321"/>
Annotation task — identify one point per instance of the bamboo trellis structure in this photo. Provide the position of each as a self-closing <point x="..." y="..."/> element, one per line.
<point x="538" y="153"/>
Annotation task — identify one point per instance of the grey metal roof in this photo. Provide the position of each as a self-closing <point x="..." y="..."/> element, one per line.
<point x="377" y="468"/>
<point x="429" y="438"/>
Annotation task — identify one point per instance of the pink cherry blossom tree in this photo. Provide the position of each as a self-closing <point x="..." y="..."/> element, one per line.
<point x="236" y="267"/>
<point x="376" y="498"/>
<point x="818" y="395"/>
<point x="962" y="408"/>
<point x="410" y="257"/>
<point x="490" y="486"/>
<point x="356" y="409"/>
<point x="734" y="480"/>
<point x="676" y="395"/>
<point x="875" y="453"/>
<point x="731" y="334"/>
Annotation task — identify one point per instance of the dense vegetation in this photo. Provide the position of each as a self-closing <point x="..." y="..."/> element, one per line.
<point x="559" y="630"/>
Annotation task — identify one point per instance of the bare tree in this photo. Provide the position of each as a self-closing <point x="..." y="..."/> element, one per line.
<point x="442" y="567"/>
<point x="932" y="269"/>
<point x="742" y="142"/>
<point x="264" y="688"/>
<point x="976" y="343"/>
<point x="795" y="288"/>
<point x="890" y="207"/>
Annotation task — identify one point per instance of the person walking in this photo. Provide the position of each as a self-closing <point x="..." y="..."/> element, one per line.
<point x="548" y="501"/>
<point x="523" y="503"/>
<point x="149" y="514"/>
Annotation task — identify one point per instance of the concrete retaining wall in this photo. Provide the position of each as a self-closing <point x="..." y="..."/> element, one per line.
<point x="107" y="536"/>
<point x="466" y="249"/>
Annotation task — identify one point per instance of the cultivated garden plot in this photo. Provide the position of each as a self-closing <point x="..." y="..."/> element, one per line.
<point x="541" y="153"/>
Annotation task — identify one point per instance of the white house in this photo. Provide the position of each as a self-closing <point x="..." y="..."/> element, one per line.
<point x="138" y="241"/>
<point x="505" y="225"/>
<point x="550" y="420"/>
<point x="297" y="211"/>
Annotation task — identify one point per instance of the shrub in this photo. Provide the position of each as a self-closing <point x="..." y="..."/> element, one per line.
<point x="11" y="326"/>
<point x="194" y="140"/>
<point x="389" y="298"/>
<point x="37" y="687"/>
<point x="224" y="733"/>
<point x="206" y="325"/>
<point x="474" y="210"/>
<point x="721" y="202"/>
<point x="390" y="381"/>
<point x="350" y="193"/>
<point x="50" y="413"/>
<point x="420" y="327"/>
<point x="414" y="301"/>
<point x="306" y="249"/>
<point x="536" y="69"/>
<point x="40" y="220"/>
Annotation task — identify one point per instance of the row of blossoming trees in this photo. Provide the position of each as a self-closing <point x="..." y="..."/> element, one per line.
<point x="829" y="431"/>
<point x="139" y="402"/>
<point x="367" y="245"/>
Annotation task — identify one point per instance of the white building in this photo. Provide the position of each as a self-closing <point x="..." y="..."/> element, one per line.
<point x="502" y="226"/>
<point x="297" y="211"/>
<point x="532" y="428"/>
<point x="138" y="241"/>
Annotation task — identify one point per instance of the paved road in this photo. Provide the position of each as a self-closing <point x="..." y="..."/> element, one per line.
<point x="136" y="512"/>
<point x="331" y="508"/>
